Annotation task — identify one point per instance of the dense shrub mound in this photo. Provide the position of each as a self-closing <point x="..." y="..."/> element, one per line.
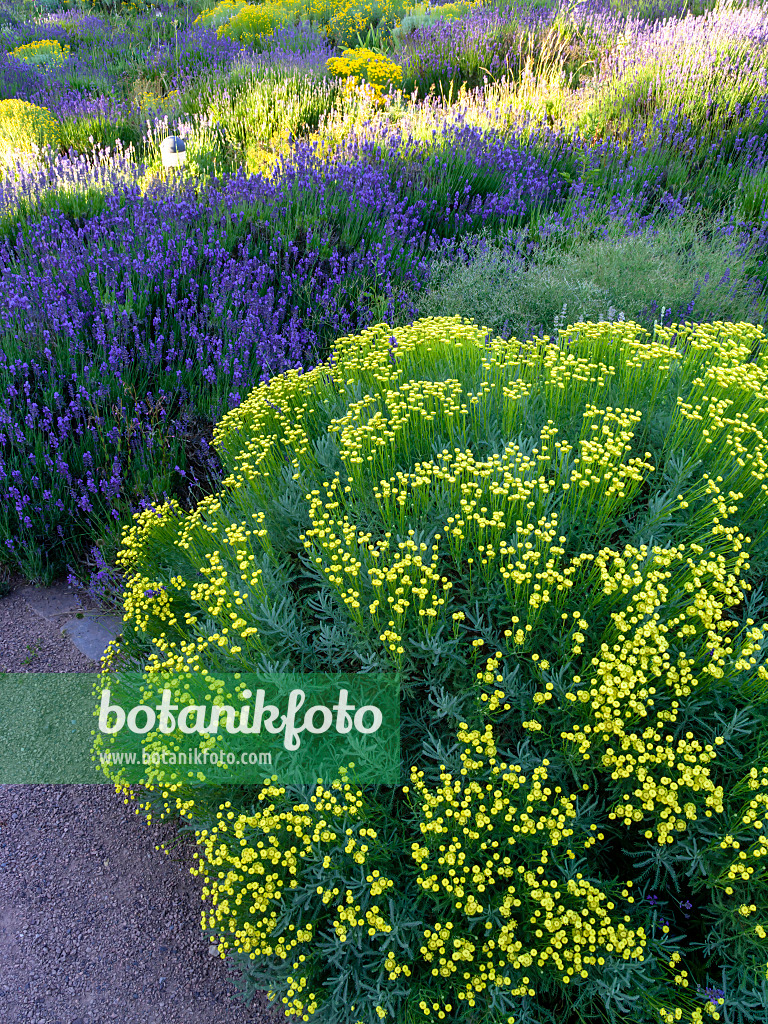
<point x="24" y="126"/>
<point x="558" y="545"/>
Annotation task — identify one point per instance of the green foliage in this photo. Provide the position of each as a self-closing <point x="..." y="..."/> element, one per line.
<point x="647" y="9"/>
<point x="218" y="16"/>
<point x="346" y="22"/>
<point x="206" y="149"/>
<point x="73" y="203"/>
<point x="642" y="89"/>
<point x="84" y="134"/>
<point x="262" y="107"/>
<point x="754" y="195"/>
<point x="112" y="8"/>
<point x="559" y="549"/>
<point x="692" y="270"/>
<point x="425" y="14"/>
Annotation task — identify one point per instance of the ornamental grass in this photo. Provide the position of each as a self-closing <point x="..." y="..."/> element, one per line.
<point x="558" y="546"/>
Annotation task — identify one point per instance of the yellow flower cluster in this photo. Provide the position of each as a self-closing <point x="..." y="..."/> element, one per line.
<point x="361" y="63"/>
<point x="695" y="1017"/>
<point x="749" y="864"/>
<point x="572" y="924"/>
<point x="631" y="675"/>
<point x="181" y="643"/>
<point x="255" y="21"/>
<point x="23" y="127"/>
<point x="347" y="918"/>
<point x="343" y="20"/>
<point x="493" y="498"/>
<point x="401" y="408"/>
<point x="218" y="16"/>
<point x="475" y="865"/>
<point x="456" y="10"/>
<point x="42" y="53"/>
<point x="149" y="97"/>
<point x="259" y="875"/>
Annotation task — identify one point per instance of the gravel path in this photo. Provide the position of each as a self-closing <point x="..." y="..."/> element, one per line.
<point x="96" y="925"/>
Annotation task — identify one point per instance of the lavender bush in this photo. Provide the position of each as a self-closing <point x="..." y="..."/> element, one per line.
<point x="445" y="53"/>
<point x="161" y="310"/>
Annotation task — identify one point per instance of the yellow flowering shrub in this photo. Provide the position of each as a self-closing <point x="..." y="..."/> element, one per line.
<point x="24" y="126"/>
<point x="344" y="20"/>
<point x="374" y="68"/>
<point x="255" y="21"/>
<point x="218" y="16"/>
<point x="457" y="10"/>
<point x="42" y="53"/>
<point x="559" y="547"/>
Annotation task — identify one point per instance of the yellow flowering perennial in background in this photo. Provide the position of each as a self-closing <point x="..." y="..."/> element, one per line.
<point x="373" y="68"/>
<point x="43" y="52"/>
<point x="456" y="10"/>
<point x="343" y="20"/>
<point x="255" y="21"/>
<point x="24" y="127"/>
<point x="218" y="16"/>
<point x="591" y="591"/>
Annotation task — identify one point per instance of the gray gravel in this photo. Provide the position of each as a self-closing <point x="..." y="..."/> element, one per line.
<point x="29" y="643"/>
<point x="96" y="925"/>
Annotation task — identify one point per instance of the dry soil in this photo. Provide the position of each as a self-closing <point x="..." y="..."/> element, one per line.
<point x="96" y="924"/>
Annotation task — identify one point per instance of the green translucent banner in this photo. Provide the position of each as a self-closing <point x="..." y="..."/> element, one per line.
<point x="46" y="728"/>
<point x="171" y="728"/>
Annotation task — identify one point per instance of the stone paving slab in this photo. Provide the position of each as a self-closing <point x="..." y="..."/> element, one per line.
<point x="92" y="633"/>
<point x="88" y="629"/>
<point x="50" y="603"/>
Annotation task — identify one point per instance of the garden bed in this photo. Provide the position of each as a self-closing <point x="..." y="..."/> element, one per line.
<point x="442" y="355"/>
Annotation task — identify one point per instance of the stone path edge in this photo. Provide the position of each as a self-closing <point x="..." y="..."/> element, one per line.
<point x="89" y="630"/>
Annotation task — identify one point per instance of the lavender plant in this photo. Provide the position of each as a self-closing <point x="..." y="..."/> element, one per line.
<point x="442" y="52"/>
<point x="201" y="294"/>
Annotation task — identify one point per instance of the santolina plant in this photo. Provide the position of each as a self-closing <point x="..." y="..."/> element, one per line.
<point x="372" y="67"/>
<point x="557" y="547"/>
<point x="23" y="128"/>
<point x="43" y="53"/>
